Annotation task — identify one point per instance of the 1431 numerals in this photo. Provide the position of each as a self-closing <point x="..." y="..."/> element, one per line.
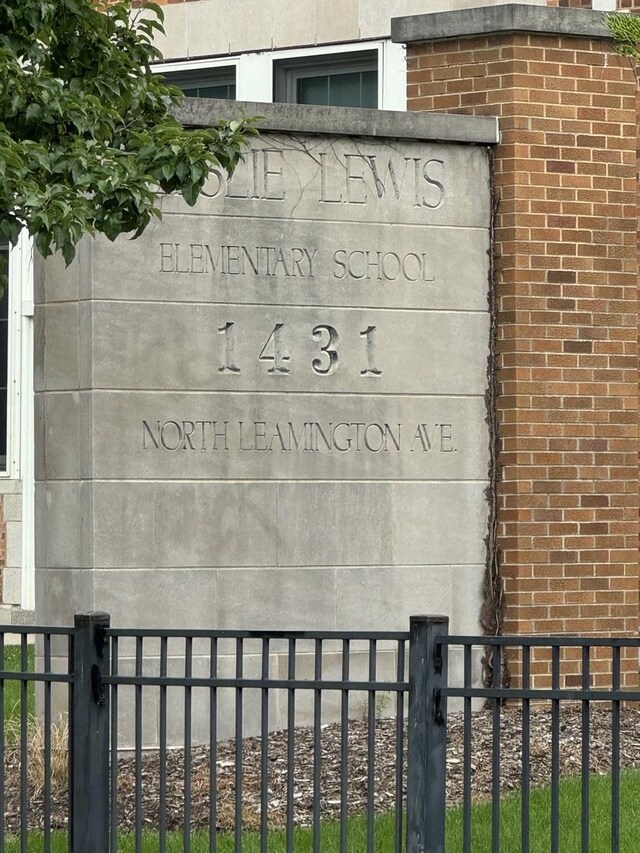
<point x="275" y="353"/>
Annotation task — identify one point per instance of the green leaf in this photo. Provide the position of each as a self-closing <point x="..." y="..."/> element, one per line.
<point x="190" y="194"/>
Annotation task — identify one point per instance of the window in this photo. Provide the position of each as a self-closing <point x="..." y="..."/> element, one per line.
<point x="205" y="83"/>
<point x="338" y="80"/>
<point x="16" y="357"/>
<point x="368" y="74"/>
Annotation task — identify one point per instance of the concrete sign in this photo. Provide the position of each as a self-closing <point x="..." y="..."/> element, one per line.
<point x="269" y="410"/>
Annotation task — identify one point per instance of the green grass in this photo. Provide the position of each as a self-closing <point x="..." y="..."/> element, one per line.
<point x="570" y="819"/>
<point x="570" y="839"/>
<point x="13" y="689"/>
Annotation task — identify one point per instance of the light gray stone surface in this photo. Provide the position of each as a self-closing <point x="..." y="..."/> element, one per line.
<point x="192" y="31"/>
<point x="178" y="348"/>
<point x="269" y="411"/>
<point x="291" y="176"/>
<point x="296" y="118"/>
<point x="313" y="436"/>
<point x="353" y="264"/>
<point x="512" y="17"/>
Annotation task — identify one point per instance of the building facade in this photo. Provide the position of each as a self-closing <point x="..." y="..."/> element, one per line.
<point x="565" y="534"/>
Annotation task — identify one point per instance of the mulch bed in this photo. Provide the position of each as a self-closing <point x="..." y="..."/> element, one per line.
<point x="385" y="772"/>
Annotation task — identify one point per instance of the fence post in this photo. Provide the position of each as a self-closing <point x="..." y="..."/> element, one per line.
<point x="89" y="776"/>
<point x="427" y="735"/>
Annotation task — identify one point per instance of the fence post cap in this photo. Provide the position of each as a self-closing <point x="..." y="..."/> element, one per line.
<point x="91" y="616"/>
<point x="435" y="618"/>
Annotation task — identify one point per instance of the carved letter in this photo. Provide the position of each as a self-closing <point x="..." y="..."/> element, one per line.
<point x="388" y="433"/>
<point x="323" y="183"/>
<point x="178" y="429"/>
<point x="395" y="271"/>
<point x="438" y="196"/>
<point x="347" y="446"/>
<point x="260" y="432"/>
<point x="166" y="257"/>
<point x="146" y="430"/>
<point x="446" y="438"/>
<point x="241" y="443"/>
<point x="355" y="182"/>
<point x="368" y="444"/>
<point x="294" y="440"/>
<point x="310" y="258"/>
<point x="422" y="435"/>
<point x="187" y="433"/>
<point x="381" y="187"/>
<point x="269" y="191"/>
<point x="214" y="260"/>
<point x="197" y="258"/>
<point x="341" y="265"/>
<point x="219" y="433"/>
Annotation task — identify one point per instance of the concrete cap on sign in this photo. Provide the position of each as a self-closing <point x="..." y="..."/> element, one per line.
<point x="342" y="121"/>
<point x="509" y="18"/>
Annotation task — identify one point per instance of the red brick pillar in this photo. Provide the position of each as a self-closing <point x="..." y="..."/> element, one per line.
<point x="567" y="311"/>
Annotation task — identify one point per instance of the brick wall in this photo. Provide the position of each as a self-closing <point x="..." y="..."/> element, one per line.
<point x="566" y="247"/>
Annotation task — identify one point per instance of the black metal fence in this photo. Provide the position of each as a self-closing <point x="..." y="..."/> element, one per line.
<point x="204" y="740"/>
<point x="558" y="678"/>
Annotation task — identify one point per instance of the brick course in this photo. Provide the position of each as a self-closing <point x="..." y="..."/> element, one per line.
<point x="566" y="269"/>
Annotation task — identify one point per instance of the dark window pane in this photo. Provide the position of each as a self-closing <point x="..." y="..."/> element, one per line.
<point x="313" y="90"/>
<point x="3" y="354"/>
<point x="205" y="83"/>
<point x="345" y="90"/>
<point x="370" y="89"/>
<point x="4" y="302"/>
<point x="348" y="89"/>
<point x="228" y="92"/>
<point x="3" y="430"/>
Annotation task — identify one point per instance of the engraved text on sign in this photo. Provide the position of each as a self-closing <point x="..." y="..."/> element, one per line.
<point x="320" y="284"/>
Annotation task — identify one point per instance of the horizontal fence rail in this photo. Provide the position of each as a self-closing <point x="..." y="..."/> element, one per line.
<point x="418" y="741"/>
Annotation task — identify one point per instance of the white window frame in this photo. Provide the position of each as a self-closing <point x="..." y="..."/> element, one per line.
<point x="18" y="277"/>
<point x="20" y="406"/>
<point x="25" y="249"/>
<point x="255" y="71"/>
<point x="288" y="72"/>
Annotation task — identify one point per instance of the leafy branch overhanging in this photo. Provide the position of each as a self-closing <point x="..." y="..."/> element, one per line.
<point x="87" y="135"/>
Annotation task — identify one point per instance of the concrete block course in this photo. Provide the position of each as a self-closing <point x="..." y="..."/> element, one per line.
<point x="335" y="121"/>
